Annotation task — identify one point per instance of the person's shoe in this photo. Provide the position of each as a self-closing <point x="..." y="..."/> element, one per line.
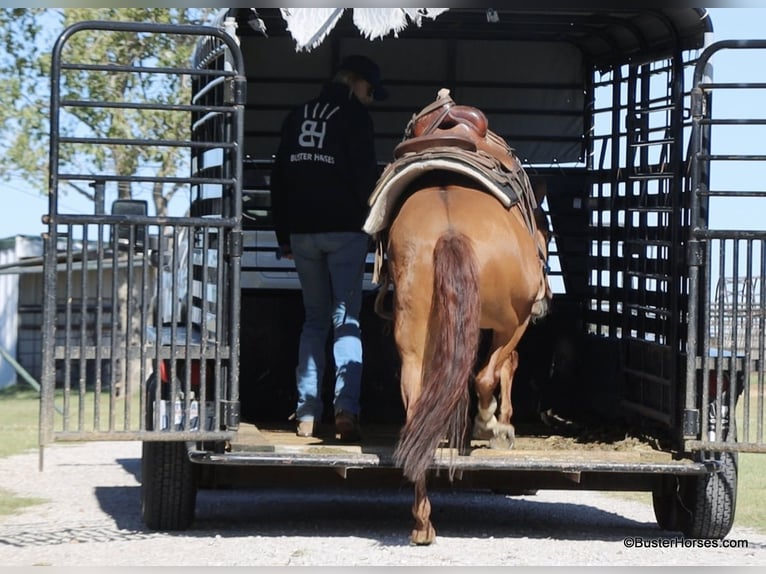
<point x="305" y="428"/>
<point x="347" y="427"/>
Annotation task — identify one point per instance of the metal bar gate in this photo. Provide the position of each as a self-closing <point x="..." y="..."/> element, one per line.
<point x="141" y="311"/>
<point x="725" y="386"/>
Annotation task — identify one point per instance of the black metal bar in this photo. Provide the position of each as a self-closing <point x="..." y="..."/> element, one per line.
<point x="720" y="157"/>
<point x="700" y="104"/>
<point x="722" y="234"/>
<point x="761" y="394"/>
<point x="731" y="193"/>
<point x="156" y="393"/>
<point x="164" y="436"/>
<point x="99" y="312"/>
<point x="732" y="85"/>
<point x="68" y="331"/>
<point x="145" y="220"/>
<point x="144" y="142"/>
<point x="748" y="348"/>
<point x="116" y="362"/>
<point x="150" y="284"/>
<point x="204" y="339"/>
<point x="101" y="104"/>
<point x="111" y="68"/>
<point x="235" y="259"/>
<point x="735" y="122"/>
<point x="175" y="314"/>
<point x="220" y="331"/>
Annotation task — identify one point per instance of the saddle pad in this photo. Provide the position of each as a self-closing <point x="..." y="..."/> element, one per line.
<point x="484" y="169"/>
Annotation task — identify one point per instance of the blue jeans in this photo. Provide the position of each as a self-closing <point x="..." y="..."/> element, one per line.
<point x="331" y="270"/>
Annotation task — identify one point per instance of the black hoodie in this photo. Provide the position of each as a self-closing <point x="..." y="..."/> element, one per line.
<point x="325" y="168"/>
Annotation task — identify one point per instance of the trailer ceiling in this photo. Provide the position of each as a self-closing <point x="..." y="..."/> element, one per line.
<point x="605" y="37"/>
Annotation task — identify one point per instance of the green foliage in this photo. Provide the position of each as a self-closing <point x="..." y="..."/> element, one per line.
<point x="29" y="36"/>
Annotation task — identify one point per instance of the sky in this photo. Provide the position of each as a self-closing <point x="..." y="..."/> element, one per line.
<point x="23" y="206"/>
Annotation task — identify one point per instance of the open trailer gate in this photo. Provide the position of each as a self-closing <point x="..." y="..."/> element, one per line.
<point x="144" y="312"/>
<point x="141" y="317"/>
<point x="115" y="319"/>
<point x="724" y="402"/>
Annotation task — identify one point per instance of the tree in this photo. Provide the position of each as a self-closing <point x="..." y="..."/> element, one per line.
<point x="29" y="36"/>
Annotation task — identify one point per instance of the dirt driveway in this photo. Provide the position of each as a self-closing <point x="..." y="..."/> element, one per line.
<point x="92" y="517"/>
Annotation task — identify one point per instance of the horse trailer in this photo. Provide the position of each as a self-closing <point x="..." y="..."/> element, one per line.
<point x="646" y="375"/>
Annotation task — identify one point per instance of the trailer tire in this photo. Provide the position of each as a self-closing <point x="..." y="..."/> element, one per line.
<point x="700" y="506"/>
<point x="168" y="486"/>
<point x="711" y="500"/>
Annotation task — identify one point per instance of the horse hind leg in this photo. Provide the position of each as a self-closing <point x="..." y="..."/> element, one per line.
<point x="424" y="533"/>
<point x="499" y="433"/>
<point x="485" y="422"/>
<point x="506" y="435"/>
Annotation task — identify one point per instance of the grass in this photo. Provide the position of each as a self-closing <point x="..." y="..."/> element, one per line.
<point x="11" y="504"/>
<point x="19" y="413"/>
<point x="19" y="416"/>
<point x="751" y="493"/>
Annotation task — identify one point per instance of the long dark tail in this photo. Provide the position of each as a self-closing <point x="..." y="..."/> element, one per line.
<point x="453" y="340"/>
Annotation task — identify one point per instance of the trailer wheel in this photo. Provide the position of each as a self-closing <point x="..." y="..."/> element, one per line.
<point x="168" y="478"/>
<point x="699" y="506"/>
<point x="711" y="500"/>
<point x="168" y="486"/>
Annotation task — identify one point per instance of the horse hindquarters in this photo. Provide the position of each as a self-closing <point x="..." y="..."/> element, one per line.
<point x="450" y="349"/>
<point x="452" y="339"/>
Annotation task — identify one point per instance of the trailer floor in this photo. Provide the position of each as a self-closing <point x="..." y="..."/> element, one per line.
<point x="277" y="444"/>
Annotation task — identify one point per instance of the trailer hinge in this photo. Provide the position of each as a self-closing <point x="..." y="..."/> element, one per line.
<point x="235" y="91"/>
<point x="691" y="423"/>
<point x="698" y="103"/>
<point x="235" y="244"/>
<point x="696" y="252"/>
<point x="231" y="414"/>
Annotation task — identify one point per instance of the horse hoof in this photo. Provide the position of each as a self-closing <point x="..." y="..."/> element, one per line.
<point x="482" y="433"/>
<point x="423" y="537"/>
<point x="501" y="442"/>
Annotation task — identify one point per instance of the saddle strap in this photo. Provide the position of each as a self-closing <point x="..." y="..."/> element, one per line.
<point x="380" y="255"/>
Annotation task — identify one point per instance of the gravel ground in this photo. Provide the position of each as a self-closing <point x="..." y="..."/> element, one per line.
<point x="92" y="518"/>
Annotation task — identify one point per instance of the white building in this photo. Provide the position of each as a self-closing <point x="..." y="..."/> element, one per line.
<point x="17" y="300"/>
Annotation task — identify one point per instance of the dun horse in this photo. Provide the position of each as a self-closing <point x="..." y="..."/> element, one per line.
<point x="455" y="215"/>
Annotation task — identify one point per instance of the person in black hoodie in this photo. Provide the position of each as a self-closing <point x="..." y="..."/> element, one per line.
<point x="324" y="172"/>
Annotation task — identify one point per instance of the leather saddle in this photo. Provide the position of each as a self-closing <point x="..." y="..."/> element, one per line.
<point x="446" y="124"/>
<point x="448" y="137"/>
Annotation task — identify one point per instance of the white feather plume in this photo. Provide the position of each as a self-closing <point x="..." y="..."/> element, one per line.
<point x="310" y="26"/>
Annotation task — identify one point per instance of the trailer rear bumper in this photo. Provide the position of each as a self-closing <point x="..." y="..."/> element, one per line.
<point x="255" y="447"/>
<point x="523" y="462"/>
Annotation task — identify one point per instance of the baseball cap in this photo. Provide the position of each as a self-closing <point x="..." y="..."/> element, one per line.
<point x="368" y="70"/>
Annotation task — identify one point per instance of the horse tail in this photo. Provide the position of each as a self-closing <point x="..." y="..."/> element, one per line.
<point x="451" y="346"/>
